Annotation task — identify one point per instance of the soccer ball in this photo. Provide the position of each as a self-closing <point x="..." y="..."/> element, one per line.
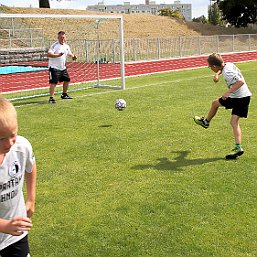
<point x="120" y="104"/>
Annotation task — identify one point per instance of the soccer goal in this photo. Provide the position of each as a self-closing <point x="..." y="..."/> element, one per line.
<point x="96" y="40"/>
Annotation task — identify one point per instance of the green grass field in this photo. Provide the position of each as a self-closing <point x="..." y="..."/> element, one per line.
<point x="145" y="181"/>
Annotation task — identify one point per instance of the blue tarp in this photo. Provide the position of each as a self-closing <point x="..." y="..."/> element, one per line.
<point x="17" y="69"/>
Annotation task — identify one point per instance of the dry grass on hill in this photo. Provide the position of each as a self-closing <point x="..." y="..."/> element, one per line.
<point x="146" y="26"/>
<point x="208" y="29"/>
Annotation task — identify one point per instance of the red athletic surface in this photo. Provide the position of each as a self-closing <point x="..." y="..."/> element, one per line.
<point x="82" y="72"/>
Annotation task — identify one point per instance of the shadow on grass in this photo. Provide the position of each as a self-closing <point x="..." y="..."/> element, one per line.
<point x="17" y="103"/>
<point x="176" y="164"/>
<point x="105" y="126"/>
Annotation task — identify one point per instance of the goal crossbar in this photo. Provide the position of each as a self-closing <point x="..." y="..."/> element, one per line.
<point x="98" y="19"/>
<point x="16" y="15"/>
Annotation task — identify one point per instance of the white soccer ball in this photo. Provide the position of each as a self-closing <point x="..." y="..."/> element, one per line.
<point x="120" y="104"/>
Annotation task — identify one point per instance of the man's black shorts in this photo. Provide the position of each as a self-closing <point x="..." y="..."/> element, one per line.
<point x="18" y="249"/>
<point x="56" y="76"/>
<point x="239" y="106"/>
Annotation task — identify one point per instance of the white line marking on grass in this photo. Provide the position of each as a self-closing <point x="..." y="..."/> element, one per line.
<point x="154" y="84"/>
<point x="148" y="85"/>
<point x="164" y="83"/>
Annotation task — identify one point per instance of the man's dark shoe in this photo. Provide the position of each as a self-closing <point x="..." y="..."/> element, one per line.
<point x="65" y="96"/>
<point x="52" y="100"/>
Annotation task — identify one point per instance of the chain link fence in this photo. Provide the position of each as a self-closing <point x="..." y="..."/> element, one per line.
<point x="136" y="49"/>
<point x="142" y="49"/>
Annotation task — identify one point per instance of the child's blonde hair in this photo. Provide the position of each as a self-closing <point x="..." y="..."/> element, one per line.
<point x="8" y="114"/>
<point x="215" y="59"/>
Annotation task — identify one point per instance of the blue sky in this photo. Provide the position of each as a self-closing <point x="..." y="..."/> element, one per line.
<point x="199" y="7"/>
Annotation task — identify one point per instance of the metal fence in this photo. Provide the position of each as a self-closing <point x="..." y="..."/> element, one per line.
<point x="136" y="49"/>
<point x="141" y="49"/>
<point x="170" y="47"/>
<point x="21" y="38"/>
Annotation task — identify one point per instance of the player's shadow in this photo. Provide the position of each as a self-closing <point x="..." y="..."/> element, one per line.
<point x="176" y="164"/>
<point x="105" y="126"/>
<point x="30" y="103"/>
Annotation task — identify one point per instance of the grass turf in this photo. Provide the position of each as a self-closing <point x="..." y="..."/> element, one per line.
<point x="145" y="181"/>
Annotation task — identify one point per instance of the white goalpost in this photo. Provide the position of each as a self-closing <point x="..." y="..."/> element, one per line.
<point x="96" y="40"/>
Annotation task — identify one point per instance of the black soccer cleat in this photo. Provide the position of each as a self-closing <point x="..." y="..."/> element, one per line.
<point x="201" y="121"/>
<point x="65" y="96"/>
<point x="234" y="153"/>
<point x="52" y="100"/>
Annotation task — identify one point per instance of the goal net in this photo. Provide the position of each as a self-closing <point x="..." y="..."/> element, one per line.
<point x="96" y="40"/>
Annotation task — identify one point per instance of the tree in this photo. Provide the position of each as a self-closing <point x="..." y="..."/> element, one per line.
<point x="239" y="13"/>
<point x="214" y="14"/>
<point x="44" y="4"/>
<point x="171" y="13"/>
<point x="165" y="12"/>
<point x="201" y="19"/>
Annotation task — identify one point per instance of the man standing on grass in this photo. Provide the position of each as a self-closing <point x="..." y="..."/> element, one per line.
<point x="57" y="55"/>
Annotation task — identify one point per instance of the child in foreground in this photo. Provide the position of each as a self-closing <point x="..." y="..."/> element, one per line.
<point x="17" y="163"/>
<point x="237" y="98"/>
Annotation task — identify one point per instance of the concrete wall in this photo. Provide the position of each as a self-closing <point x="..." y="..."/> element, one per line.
<point x="22" y="55"/>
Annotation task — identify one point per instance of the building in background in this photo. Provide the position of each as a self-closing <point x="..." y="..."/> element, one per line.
<point x="150" y="7"/>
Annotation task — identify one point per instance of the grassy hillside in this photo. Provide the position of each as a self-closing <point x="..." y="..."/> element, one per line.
<point x="208" y="29"/>
<point x="146" y="26"/>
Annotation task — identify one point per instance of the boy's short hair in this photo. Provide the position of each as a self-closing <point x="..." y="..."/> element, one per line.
<point x="61" y="33"/>
<point x="215" y="59"/>
<point x="8" y="114"/>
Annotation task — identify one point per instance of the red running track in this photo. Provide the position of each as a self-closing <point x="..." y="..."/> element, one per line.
<point x="83" y="72"/>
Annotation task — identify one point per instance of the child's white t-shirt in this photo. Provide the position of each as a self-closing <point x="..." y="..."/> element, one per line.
<point x="17" y="161"/>
<point x="231" y="75"/>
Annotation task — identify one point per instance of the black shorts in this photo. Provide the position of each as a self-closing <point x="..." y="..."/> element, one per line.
<point x="56" y="76"/>
<point x="18" y="249"/>
<point x="239" y="106"/>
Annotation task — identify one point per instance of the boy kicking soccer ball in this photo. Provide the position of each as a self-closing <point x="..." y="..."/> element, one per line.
<point x="237" y="98"/>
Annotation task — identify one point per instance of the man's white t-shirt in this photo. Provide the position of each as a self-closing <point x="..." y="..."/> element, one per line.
<point x="59" y="62"/>
<point x="17" y="161"/>
<point x="231" y="75"/>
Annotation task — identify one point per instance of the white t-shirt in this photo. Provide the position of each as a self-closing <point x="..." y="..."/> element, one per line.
<point x="59" y="62"/>
<point x="231" y="75"/>
<point x="17" y="161"/>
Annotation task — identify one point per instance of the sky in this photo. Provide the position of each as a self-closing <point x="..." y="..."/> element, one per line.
<point x="199" y="7"/>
